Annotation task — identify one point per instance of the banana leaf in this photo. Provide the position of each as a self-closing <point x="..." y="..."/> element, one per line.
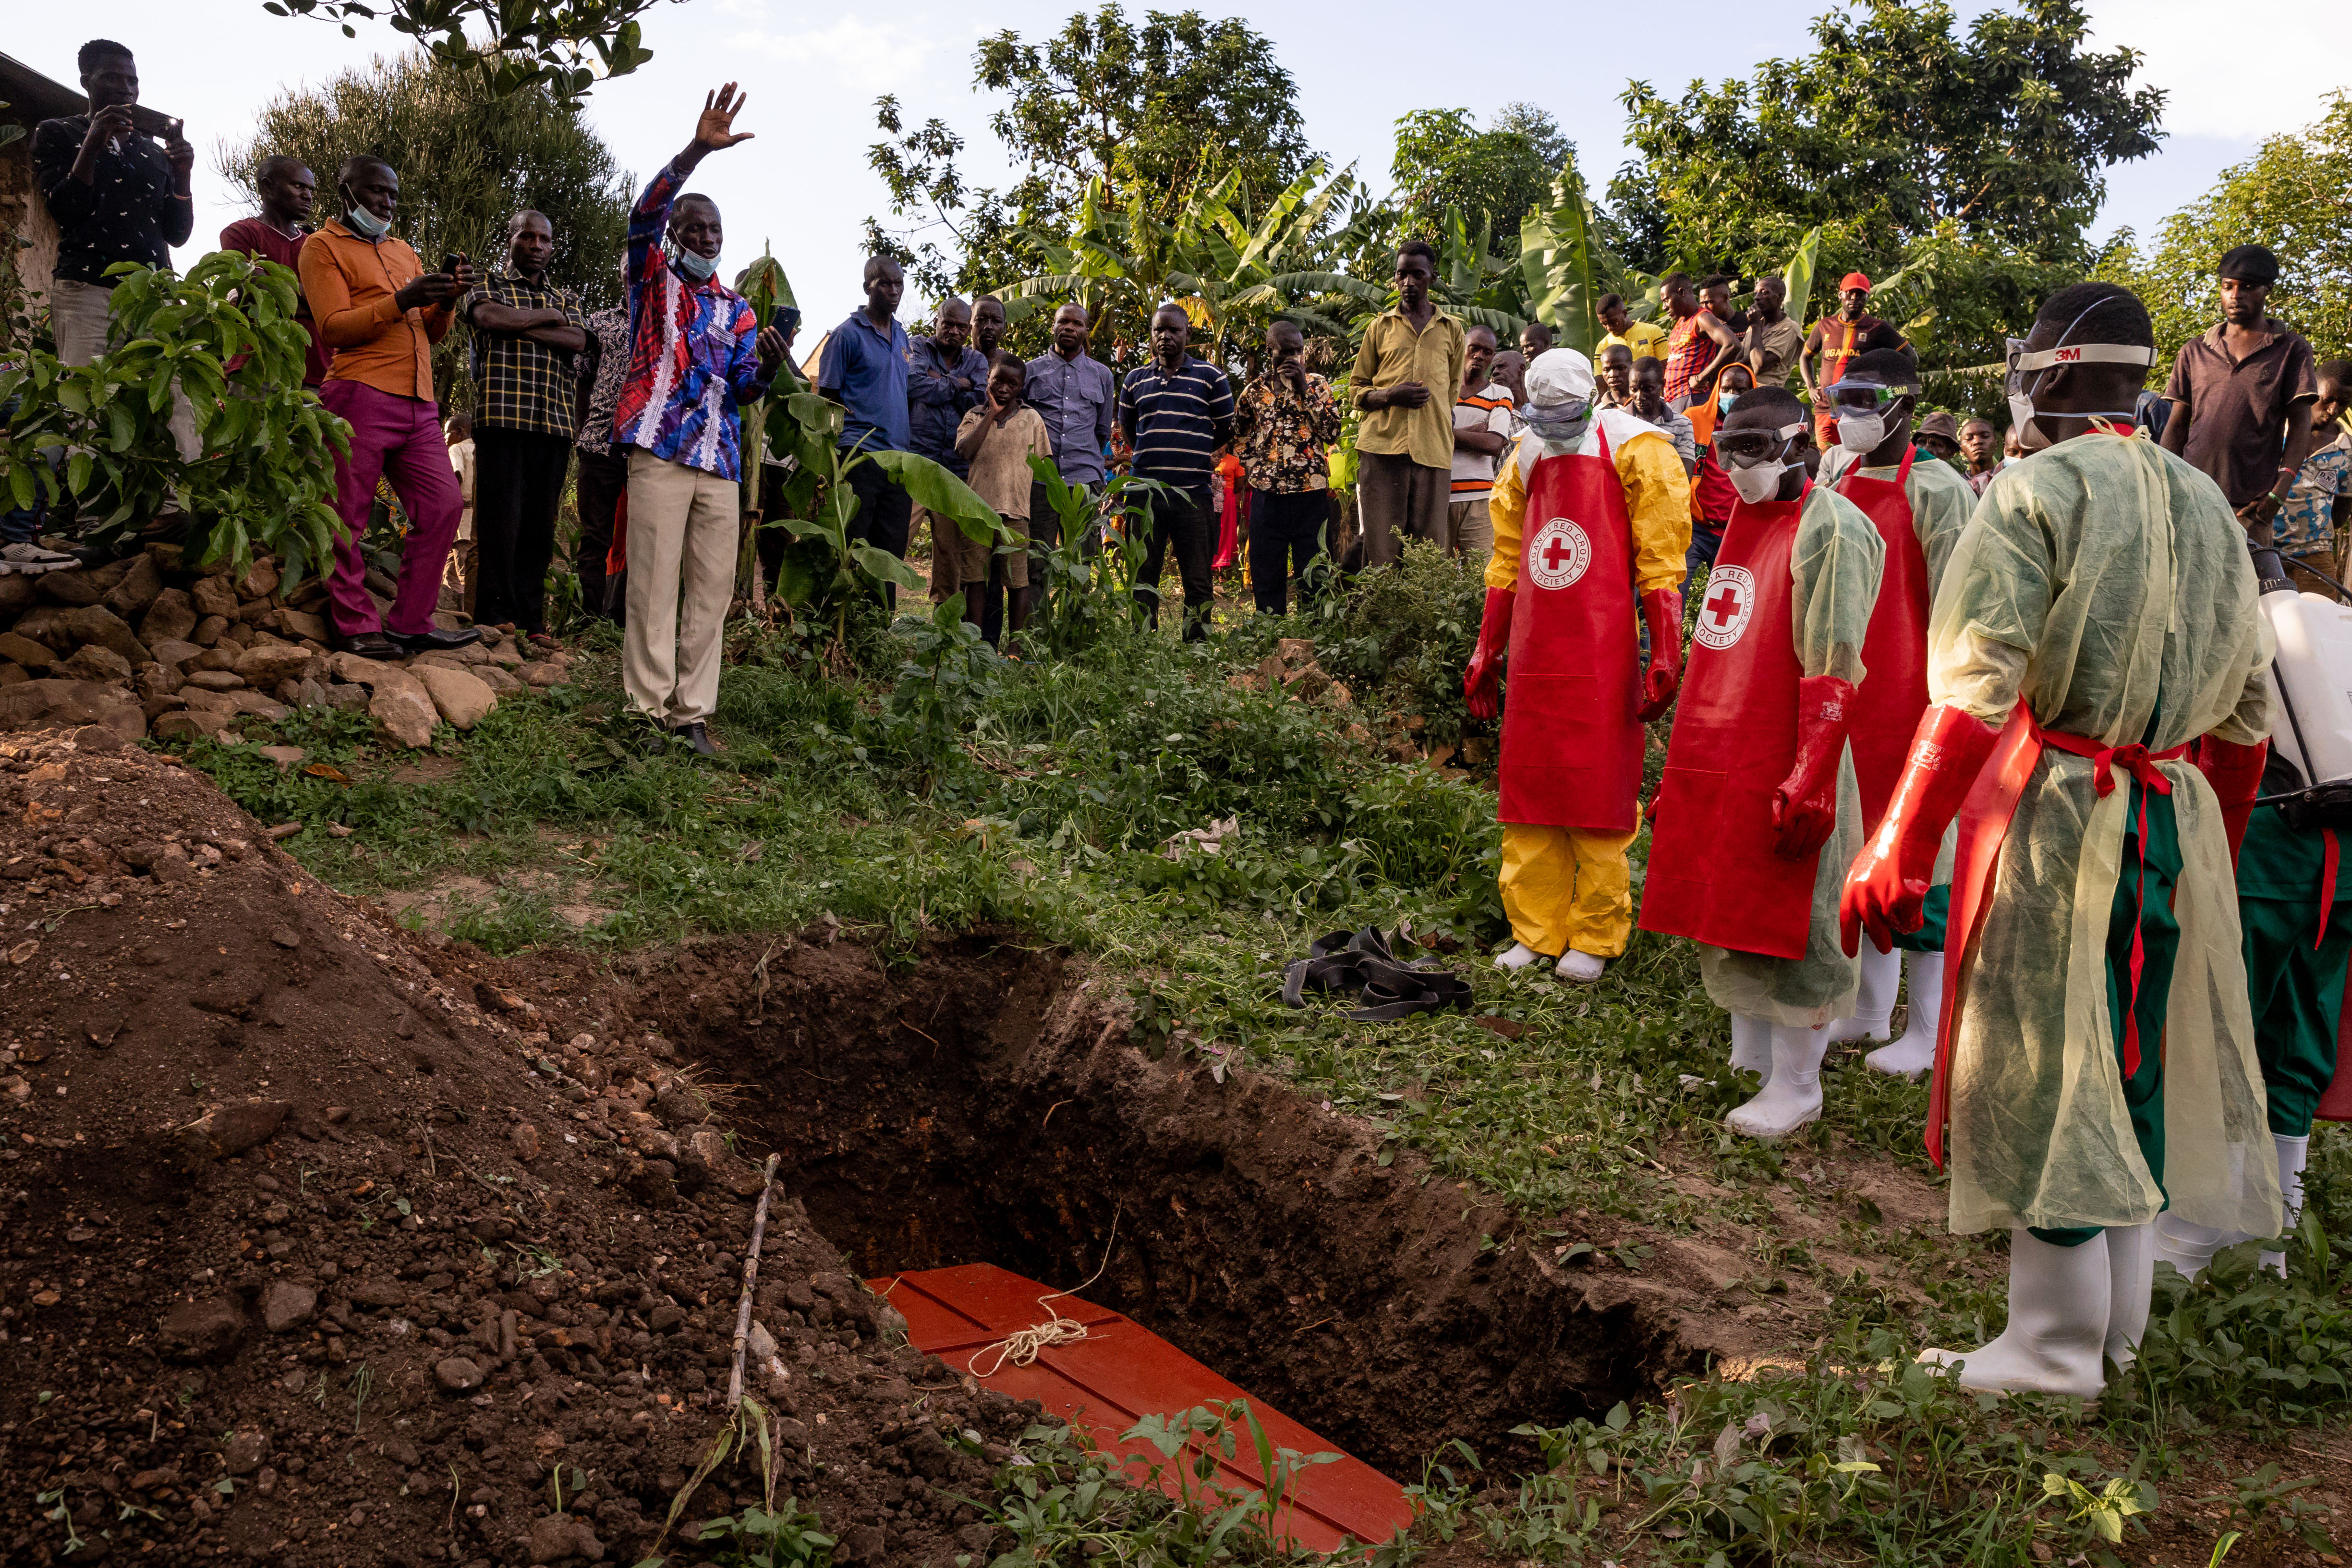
<point x="1799" y="276"/>
<point x="933" y="487"/>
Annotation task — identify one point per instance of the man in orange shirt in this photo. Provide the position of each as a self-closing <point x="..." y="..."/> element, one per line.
<point x="381" y="313"/>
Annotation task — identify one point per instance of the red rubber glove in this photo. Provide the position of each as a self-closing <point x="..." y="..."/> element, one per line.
<point x="1805" y="808"/>
<point x="2235" y="772"/>
<point x="1484" y="675"/>
<point x="1887" y="888"/>
<point x="1661" y="612"/>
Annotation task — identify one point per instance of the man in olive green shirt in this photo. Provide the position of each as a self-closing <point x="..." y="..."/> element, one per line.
<point x="1405" y="379"/>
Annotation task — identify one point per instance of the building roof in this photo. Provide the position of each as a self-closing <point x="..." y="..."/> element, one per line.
<point x="32" y="97"/>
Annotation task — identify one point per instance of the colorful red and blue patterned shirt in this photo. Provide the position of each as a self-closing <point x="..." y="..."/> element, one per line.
<point x="693" y="359"/>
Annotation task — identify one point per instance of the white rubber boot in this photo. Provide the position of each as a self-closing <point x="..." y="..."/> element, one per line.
<point x="2058" y="1309"/>
<point x="2131" y="1277"/>
<point x="1583" y="968"/>
<point x="2293" y="1152"/>
<point x="1518" y="955"/>
<point x="1915" y="1053"/>
<point x="2190" y="1248"/>
<point x="1751" y="1047"/>
<point x="1873" y="1003"/>
<point x="1792" y="1095"/>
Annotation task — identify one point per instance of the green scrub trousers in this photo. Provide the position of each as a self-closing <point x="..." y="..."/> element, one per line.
<point x="2295" y="973"/>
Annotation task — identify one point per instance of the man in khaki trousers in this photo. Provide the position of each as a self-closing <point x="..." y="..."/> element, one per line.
<point x="697" y="354"/>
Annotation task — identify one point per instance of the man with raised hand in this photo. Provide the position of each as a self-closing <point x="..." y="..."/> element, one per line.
<point x="1405" y="376"/>
<point x="1919" y="510"/>
<point x="1590" y="515"/>
<point x="381" y="312"/>
<point x="527" y="335"/>
<point x="2096" y="1062"/>
<point x="697" y="354"/>
<point x="1696" y="346"/>
<point x="1758" y="814"/>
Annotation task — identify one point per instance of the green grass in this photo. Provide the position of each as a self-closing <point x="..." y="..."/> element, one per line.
<point x="928" y="787"/>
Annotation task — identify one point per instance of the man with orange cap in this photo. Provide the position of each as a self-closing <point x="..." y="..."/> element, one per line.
<point x="1834" y="342"/>
<point x="1592" y="516"/>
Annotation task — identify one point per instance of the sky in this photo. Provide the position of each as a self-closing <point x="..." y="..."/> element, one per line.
<point x="814" y="71"/>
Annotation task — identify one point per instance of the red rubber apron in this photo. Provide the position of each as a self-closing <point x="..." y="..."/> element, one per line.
<point x="1571" y="747"/>
<point x="1894" y="691"/>
<point x="1714" y="876"/>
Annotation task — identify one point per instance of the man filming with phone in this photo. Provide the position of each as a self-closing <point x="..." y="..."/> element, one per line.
<point x="118" y="194"/>
<point x="381" y="312"/>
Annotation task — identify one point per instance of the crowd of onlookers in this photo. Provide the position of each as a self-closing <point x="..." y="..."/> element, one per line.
<point x="634" y="410"/>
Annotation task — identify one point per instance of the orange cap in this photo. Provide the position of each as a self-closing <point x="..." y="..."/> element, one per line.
<point x="1853" y="280"/>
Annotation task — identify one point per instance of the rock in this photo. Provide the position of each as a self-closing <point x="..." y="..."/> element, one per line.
<point x="232" y="1128"/>
<point x="206" y="701"/>
<point x="682" y="1105"/>
<point x="260" y="580"/>
<point x="564" y="1538"/>
<point x="12" y="674"/>
<point x="463" y="699"/>
<point x="180" y="726"/>
<point x="541" y="674"/>
<point x="215" y="680"/>
<point x="70" y="704"/>
<point x="246" y="1449"/>
<point x="158" y="679"/>
<point x="92" y="662"/>
<point x="285" y="936"/>
<point x="209" y="630"/>
<point x="204" y="1330"/>
<point x="260" y="705"/>
<point x="287" y="1306"/>
<point x="46" y="625"/>
<point x="270" y="663"/>
<point x="311" y="627"/>
<point x="222" y="658"/>
<point x="214" y="595"/>
<point x="377" y="1293"/>
<point x="346" y="698"/>
<point x="16" y="594"/>
<point x="96" y="623"/>
<point x="176" y="652"/>
<point x="169" y="618"/>
<point x="35" y="658"/>
<point x="525" y="1138"/>
<point x="284" y="756"/>
<point x="497" y="679"/>
<point x="140" y="588"/>
<point x="71" y="586"/>
<point x="405" y="714"/>
<point x="458" y="1375"/>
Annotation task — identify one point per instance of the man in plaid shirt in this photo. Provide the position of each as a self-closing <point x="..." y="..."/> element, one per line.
<point x="696" y="354"/>
<point x="526" y="332"/>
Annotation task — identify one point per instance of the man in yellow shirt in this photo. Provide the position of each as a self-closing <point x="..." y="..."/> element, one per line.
<point x="1405" y="379"/>
<point x="1644" y="340"/>
<point x="1592" y="516"/>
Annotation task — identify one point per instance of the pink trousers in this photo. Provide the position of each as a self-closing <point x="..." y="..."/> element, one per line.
<point x="399" y="439"/>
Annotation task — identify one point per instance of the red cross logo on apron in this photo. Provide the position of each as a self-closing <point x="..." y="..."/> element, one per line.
<point x="1559" y="555"/>
<point x="1724" y="608"/>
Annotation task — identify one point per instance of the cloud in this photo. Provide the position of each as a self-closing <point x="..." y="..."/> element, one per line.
<point x="2253" y="70"/>
<point x="849" y="42"/>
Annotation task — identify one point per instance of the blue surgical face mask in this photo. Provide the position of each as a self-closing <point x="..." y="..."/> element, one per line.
<point x="366" y="224"/>
<point x="1725" y="399"/>
<point x="694" y="264"/>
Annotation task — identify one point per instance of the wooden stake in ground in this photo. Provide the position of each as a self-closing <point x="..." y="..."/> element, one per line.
<point x="751" y="1279"/>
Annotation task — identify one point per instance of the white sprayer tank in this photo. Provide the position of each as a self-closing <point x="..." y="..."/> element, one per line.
<point x="2312" y="724"/>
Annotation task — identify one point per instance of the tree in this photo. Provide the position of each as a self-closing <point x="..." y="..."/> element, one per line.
<point x="467" y="160"/>
<point x="1158" y="113"/>
<point x="1896" y="133"/>
<point x="1444" y="160"/>
<point x="2290" y="196"/>
<point x="522" y="44"/>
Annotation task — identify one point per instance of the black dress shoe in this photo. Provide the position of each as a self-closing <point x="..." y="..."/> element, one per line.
<point x="434" y="637"/>
<point x="368" y="645"/>
<point x="696" y="736"/>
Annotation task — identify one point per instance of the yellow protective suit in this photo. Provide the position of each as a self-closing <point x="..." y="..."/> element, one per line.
<point x="1563" y="889"/>
<point x="2103" y="583"/>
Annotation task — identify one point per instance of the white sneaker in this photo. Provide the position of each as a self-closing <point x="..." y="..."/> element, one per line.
<point x="1791" y="1097"/>
<point x="1874" y="1002"/>
<point x="32" y="561"/>
<point x="1518" y="955"/>
<point x="1915" y="1053"/>
<point x="2060" y="1306"/>
<point x="1581" y="967"/>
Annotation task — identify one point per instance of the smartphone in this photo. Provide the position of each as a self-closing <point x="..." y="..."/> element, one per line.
<point x="449" y="262"/>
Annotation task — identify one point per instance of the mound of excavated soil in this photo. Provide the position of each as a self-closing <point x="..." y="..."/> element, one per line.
<point x="314" y="1256"/>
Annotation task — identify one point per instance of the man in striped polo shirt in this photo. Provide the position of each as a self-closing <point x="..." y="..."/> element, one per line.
<point x="1175" y="413"/>
<point x="1482" y="429"/>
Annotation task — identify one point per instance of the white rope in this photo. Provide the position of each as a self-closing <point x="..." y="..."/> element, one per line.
<point x="1022" y="1346"/>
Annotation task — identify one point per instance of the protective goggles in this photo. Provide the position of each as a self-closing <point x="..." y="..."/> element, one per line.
<point x="1747" y="448"/>
<point x="2023" y="362"/>
<point x="1865" y="396"/>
